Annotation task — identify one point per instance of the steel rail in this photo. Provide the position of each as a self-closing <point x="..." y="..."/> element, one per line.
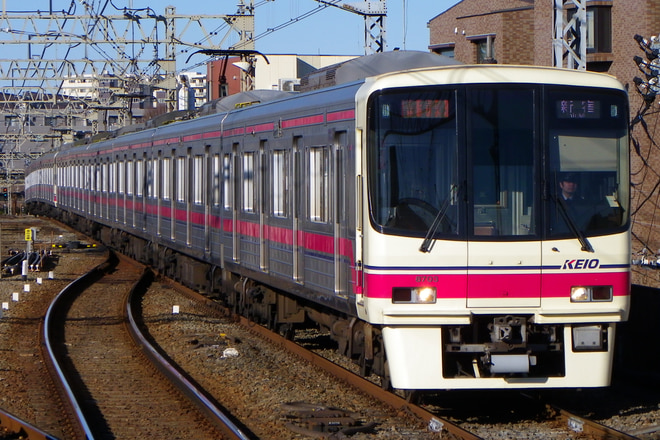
<point x="207" y="404"/>
<point x="581" y="425"/>
<point x="18" y="428"/>
<point x="84" y="430"/>
<point x="433" y="422"/>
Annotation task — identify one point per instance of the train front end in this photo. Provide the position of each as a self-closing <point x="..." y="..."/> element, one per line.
<point x="493" y="216"/>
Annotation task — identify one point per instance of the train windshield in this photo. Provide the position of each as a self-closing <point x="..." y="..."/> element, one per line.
<point x="484" y="162"/>
<point x="414" y="158"/>
<point x="587" y="140"/>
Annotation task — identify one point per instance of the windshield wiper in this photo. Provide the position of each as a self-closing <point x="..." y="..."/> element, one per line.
<point x="570" y="221"/>
<point x="428" y="242"/>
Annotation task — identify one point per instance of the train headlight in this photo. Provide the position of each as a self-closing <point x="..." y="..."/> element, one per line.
<point x="414" y="295"/>
<point x="579" y="294"/>
<point x="591" y="293"/>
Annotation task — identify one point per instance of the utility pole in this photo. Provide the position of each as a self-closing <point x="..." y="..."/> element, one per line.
<point x="570" y="36"/>
<point x="243" y="24"/>
<point x="374" y="13"/>
<point x="116" y="55"/>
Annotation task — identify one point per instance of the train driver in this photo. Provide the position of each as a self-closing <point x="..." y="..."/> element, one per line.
<point x="587" y="215"/>
<point x="569" y="187"/>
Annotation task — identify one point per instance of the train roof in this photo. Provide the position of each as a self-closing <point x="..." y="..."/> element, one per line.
<point x="342" y="73"/>
<point x="231" y="102"/>
<point x="372" y="65"/>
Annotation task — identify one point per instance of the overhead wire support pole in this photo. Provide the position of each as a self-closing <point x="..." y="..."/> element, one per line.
<point x="119" y="53"/>
<point x="570" y="36"/>
<point x="374" y="13"/>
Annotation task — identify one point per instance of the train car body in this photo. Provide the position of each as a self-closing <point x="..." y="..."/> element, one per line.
<point x="423" y="215"/>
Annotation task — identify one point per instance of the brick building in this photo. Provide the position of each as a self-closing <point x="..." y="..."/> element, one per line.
<point x="522" y="32"/>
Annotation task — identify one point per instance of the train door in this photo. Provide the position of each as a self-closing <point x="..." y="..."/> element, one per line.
<point x="248" y="227"/>
<point x="502" y="237"/>
<point x="225" y="204"/>
<point x="113" y="200"/>
<point x="172" y="187"/>
<point x="91" y="193"/>
<point x="340" y="235"/>
<point x="103" y="189"/>
<point x="142" y="189"/>
<point x="122" y="190"/>
<point x="213" y="201"/>
<point x="96" y="175"/>
<point x="159" y="191"/>
<point x="150" y="197"/>
<point x="280" y="217"/>
<point x="297" y="184"/>
<point x="191" y="180"/>
<point x="236" y="184"/>
<point x="207" y="197"/>
<point x="261" y="176"/>
<point x="131" y="189"/>
<point x="54" y="179"/>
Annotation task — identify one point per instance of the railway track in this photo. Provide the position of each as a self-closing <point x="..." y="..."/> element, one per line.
<point x="546" y="420"/>
<point x="113" y="389"/>
<point x="564" y="423"/>
<point x="201" y="334"/>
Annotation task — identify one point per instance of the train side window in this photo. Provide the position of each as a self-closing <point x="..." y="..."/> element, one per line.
<point x="158" y="183"/>
<point x="98" y="178"/>
<point x="226" y="181"/>
<point x="248" y="182"/>
<point x="280" y="187"/>
<point x="112" y="177"/>
<point x="167" y="178"/>
<point x="180" y="179"/>
<point x="216" y="180"/>
<point x="139" y="177"/>
<point x="130" y="178"/>
<point x="318" y="188"/>
<point x="122" y="177"/>
<point x="104" y="178"/>
<point x="148" y="178"/>
<point x="198" y="186"/>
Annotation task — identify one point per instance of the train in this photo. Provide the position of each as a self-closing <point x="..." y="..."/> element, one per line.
<point x="450" y="226"/>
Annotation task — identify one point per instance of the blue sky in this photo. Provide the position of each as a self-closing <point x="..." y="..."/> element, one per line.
<point x="331" y="30"/>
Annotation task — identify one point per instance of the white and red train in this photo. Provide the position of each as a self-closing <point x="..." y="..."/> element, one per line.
<point x="453" y="226"/>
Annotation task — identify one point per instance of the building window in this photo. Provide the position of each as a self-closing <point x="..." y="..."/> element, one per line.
<point x="598" y="26"/>
<point x="447" y="51"/>
<point x="599" y="29"/>
<point x="485" y="50"/>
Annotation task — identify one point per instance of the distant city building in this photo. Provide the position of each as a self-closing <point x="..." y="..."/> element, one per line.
<point x="280" y="72"/>
<point x="192" y="90"/>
